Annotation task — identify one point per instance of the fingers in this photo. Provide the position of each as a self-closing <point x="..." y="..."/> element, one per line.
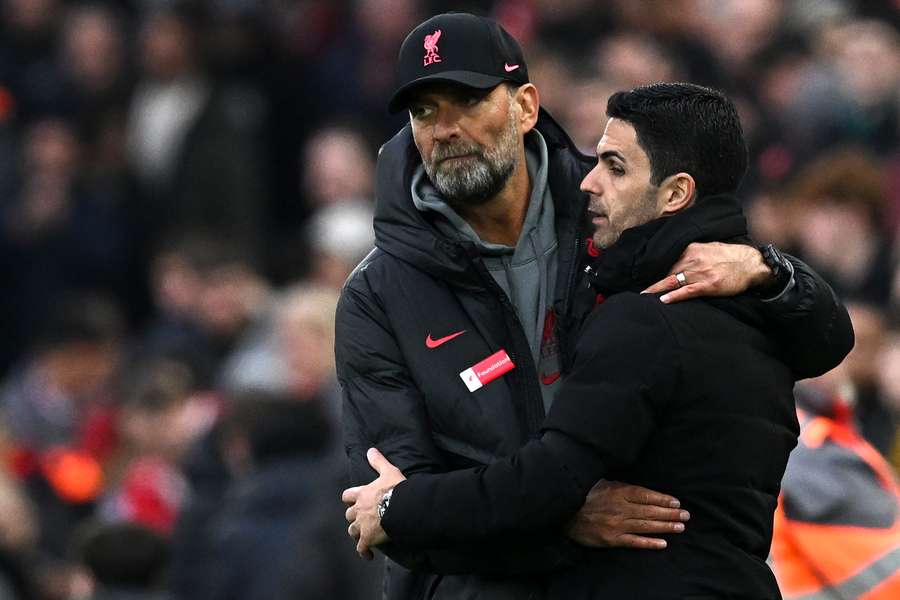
<point x="377" y="461"/>
<point x="688" y="292"/>
<point x="641" y="495"/>
<point x="635" y="526"/>
<point x="663" y="285"/>
<point x="364" y="552"/>
<point x="640" y="542"/>
<point x="350" y="495"/>
<point x="657" y="513"/>
<point x="362" y="547"/>
<point x="350" y="515"/>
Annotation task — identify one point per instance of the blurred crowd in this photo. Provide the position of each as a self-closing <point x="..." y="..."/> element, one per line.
<point x="185" y="185"/>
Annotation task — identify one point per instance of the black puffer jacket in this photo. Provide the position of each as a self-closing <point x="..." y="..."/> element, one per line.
<point x="409" y="400"/>
<point x="692" y="399"/>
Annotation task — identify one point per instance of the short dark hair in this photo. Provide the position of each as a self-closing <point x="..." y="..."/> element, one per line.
<point x="278" y="426"/>
<point x="157" y="384"/>
<point x="686" y="128"/>
<point x="80" y="318"/>
<point x="123" y="555"/>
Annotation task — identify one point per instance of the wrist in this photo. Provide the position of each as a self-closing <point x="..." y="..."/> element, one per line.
<point x="384" y="503"/>
<point x="781" y="273"/>
<point x="761" y="274"/>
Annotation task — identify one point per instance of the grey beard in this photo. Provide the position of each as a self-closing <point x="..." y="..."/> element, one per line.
<point x="478" y="178"/>
<point x="473" y="182"/>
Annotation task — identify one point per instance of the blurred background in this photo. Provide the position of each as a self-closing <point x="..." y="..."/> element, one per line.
<point x="184" y="186"/>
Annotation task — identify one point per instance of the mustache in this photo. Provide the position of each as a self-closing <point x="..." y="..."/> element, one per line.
<point x="442" y="152"/>
<point x="596" y="209"/>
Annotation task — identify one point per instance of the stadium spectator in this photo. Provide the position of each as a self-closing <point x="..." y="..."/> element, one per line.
<point x="208" y="293"/>
<point x="290" y="354"/>
<point x="192" y="143"/>
<point x="275" y="537"/>
<point x="58" y="416"/>
<point x="50" y="214"/>
<point x="18" y="539"/>
<point x="838" y="223"/>
<point x="124" y="562"/>
<point x="837" y="526"/>
<point x="160" y="417"/>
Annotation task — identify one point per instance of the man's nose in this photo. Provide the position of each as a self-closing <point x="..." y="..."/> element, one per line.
<point x="591" y="182"/>
<point x="446" y="124"/>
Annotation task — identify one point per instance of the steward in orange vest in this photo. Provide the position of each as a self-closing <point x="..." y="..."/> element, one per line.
<point x="837" y="526"/>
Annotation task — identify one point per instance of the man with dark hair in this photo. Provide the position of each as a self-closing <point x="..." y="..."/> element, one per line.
<point x="126" y="561"/>
<point x="72" y="357"/>
<point x="453" y="336"/>
<point x="692" y="398"/>
<point x="277" y="537"/>
<point x="675" y="124"/>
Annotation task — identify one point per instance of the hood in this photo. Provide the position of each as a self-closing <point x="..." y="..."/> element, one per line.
<point x="408" y="234"/>
<point x="643" y="255"/>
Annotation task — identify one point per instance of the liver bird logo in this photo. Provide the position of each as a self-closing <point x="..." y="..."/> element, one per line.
<point x="431" y="48"/>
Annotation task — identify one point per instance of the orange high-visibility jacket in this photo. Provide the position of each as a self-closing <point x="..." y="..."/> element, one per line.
<point x="837" y="526"/>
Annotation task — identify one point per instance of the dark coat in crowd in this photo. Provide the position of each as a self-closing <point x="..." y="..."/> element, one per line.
<point x="276" y="531"/>
<point x="281" y="536"/>
<point x="693" y="399"/>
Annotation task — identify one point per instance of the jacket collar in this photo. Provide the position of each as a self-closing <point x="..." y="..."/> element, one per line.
<point x="644" y="254"/>
<point x="405" y="232"/>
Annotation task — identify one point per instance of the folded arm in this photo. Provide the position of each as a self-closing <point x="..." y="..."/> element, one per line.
<point x="384" y="408"/>
<point x="607" y="407"/>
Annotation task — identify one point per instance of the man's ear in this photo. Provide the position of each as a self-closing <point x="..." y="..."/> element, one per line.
<point x="677" y="193"/>
<point x="528" y="100"/>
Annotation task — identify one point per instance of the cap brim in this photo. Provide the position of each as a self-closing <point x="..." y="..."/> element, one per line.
<point x="467" y="78"/>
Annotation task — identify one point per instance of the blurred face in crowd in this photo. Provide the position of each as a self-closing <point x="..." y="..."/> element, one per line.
<point x="866" y="56"/>
<point x="306" y="337"/>
<point x="631" y="60"/>
<point x="93" y="45"/>
<point x="869" y="328"/>
<point x="51" y="149"/>
<point x="176" y="285"/>
<point x="337" y="166"/>
<point x="82" y="368"/>
<point x="470" y="140"/>
<point x="622" y="195"/>
<point x="166" y="47"/>
<point x="229" y="297"/>
<point x="30" y="15"/>
<point x="164" y="431"/>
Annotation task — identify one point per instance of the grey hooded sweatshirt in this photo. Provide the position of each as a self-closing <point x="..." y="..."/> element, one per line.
<point x="526" y="272"/>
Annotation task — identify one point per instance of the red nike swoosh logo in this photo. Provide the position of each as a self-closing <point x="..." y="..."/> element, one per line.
<point x="510" y="68"/>
<point x="435" y="343"/>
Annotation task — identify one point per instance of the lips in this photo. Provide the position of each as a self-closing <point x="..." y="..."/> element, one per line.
<point x="445" y="159"/>
<point x="598" y="218"/>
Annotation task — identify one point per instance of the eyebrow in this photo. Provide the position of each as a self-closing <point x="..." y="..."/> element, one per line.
<point x="612" y="154"/>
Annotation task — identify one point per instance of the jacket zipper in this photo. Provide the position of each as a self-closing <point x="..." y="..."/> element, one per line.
<point x="533" y="404"/>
